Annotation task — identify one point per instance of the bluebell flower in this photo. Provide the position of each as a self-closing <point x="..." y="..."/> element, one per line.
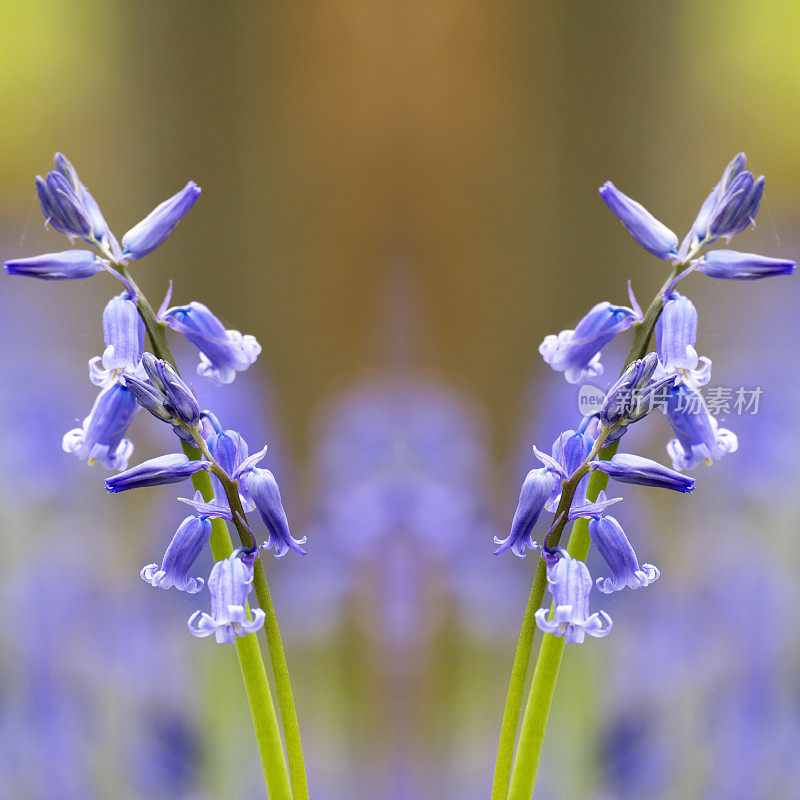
<point x="229" y="448"/>
<point x="730" y="208"/>
<point x="537" y="489"/>
<point x="172" y="468"/>
<point x="223" y="352"/>
<point x="676" y="334"/>
<point x="123" y="331"/>
<point x="615" y="548"/>
<point x="188" y="542"/>
<point x="569" y="451"/>
<point x="730" y="265"/>
<point x="263" y="489"/>
<point x="166" y="397"/>
<point x="100" y="437"/>
<point x="621" y="397"/>
<point x="646" y="230"/>
<point x="230" y="451"/>
<point x="629" y="468"/>
<point x="698" y="435"/>
<point x="576" y="353"/>
<point x="154" y="229"/>
<point x="229" y="583"/>
<point x="571" y="448"/>
<point x="68" y="206"/>
<point x="66" y="265"/>
<point x="570" y="583"/>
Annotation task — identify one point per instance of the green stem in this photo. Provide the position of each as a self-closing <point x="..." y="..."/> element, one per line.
<point x="516" y="688"/>
<point x="251" y="662"/>
<point x="537" y="710"/>
<point x="283" y="685"/>
<point x="280" y="669"/>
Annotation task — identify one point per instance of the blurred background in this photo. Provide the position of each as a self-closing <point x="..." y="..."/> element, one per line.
<point x="399" y="201"/>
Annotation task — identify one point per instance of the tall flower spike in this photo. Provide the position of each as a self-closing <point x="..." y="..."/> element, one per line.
<point x="172" y="468"/>
<point x="67" y="265"/>
<point x="629" y="468"/>
<point x="698" y="435"/>
<point x="263" y="490"/>
<point x="570" y="583"/>
<point x="730" y="265"/>
<point x="576" y="353"/>
<point x="536" y="491"/>
<point x="223" y="352"/>
<point x="154" y="229"/>
<point x="100" y="437"/>
<point x="615" y="548"/>
<point x="186" y="545"/>
<point x="646" y="230"/>
<point x="229" y="583"/>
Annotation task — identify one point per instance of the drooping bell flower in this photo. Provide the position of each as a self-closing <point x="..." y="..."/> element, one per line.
<point x="535" y="493"/>
<point x="229" y="583"/>
<point x="615" y="548"/>
<point x="101" y="436"/>
<point x="576" y="353"/>
<point x="188" y="542"/>
<point x="570" y="583"/>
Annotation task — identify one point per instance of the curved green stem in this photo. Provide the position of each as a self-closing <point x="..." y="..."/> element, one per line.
<point x="517" y="783"/>
<point x="281" y="784"/>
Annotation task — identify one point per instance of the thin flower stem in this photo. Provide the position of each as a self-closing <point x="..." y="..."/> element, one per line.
<point x="280" y="668"/>
<point x="519" y="779"/>
<point x="249" y="653"/>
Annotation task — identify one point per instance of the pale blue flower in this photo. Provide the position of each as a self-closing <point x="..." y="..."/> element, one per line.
<point x="68" y="207"/>
<point x="537" y="489"/>
<point x="262" y="489"/>
<point x="153" y="230"/>
<point x="698" y="435"/>
<point x="172" y="468"/>
<point x="576" y="353"/>
<point x="730" y="265"/>
<point x="613" y="545"/>
<point x="630" y="468"/>
<point x="223" y="352"/>
<point x="66" y="265"/>
<point x="229" y="583"/>
<point x="188" y="542"/>
<point x="101" y="436"/>
<point x="646" y="230"/>
<point x="570" y="583"/>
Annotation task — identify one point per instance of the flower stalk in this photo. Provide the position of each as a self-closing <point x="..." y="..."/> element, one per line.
<point x="222" y="546"/>
<point x="536" y="721"/>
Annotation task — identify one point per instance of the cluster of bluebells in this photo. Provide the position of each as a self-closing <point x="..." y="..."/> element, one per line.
<point x="130" y="379"/>
<point x="668" y="379"/>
